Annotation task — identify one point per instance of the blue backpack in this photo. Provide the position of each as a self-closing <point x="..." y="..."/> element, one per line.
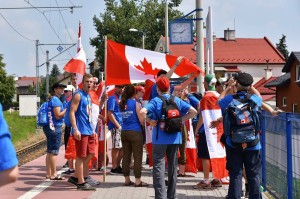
<point x="42" y="116"/>
<point x="242" y="121"/>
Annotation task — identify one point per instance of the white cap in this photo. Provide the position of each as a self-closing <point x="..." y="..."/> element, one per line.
<point x="70" y="88"/>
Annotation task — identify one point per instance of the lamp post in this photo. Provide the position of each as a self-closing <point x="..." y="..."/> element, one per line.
<point x="143" y="35"/>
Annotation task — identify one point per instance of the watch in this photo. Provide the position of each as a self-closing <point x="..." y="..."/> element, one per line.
<point x="181" y="32"/>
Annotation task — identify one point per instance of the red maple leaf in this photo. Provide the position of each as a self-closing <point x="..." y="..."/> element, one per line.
<point x="147" y="68"/>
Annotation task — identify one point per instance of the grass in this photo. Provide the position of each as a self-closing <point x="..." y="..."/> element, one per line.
<point x="21" y="128"/>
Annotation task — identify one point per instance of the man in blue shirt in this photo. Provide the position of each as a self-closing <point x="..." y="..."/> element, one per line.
<point x="165" y="143"/>
<point x="237" y="156"/>
<point x="115" y="127"/>
<point x="8" y="158"/>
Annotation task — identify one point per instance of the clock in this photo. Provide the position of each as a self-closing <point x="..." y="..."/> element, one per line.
<point x="181" y="32"/>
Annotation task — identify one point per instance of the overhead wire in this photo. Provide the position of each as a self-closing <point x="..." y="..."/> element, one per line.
<point x="64" y="22"/>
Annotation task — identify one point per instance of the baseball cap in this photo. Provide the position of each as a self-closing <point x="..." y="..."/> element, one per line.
<point x="244" y="79"/>
<point x="58" y="85"/>
<point x="211" y="81"/>
<point x="69" y="88"/>
<point x="163" y="84"/>
<point x="139" y="88"/>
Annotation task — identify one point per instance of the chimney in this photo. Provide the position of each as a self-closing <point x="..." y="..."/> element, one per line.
<point x="229" y="35"/>
<point x="214" y="37"/>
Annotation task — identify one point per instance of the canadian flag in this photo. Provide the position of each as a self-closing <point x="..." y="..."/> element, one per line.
<point x="191" y="151"/>
<point x="126" y="64"/>
<point x="211" y="111"/>
<point x="78" y="63"/>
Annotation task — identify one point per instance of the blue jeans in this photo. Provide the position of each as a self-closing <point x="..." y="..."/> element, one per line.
<point x="158" y="154"/>
<point x="53" y="138"/>
<point x="251" y="160"/>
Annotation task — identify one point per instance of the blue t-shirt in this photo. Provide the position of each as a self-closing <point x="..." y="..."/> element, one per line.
<point x="129" y="117"/>
<point x="194" y="102"/>
<point x="55" y="102"/>
<point x="223" y="103"/>
<point x="154" y="92"/>
<point x="113" y="106"/>
<point x="83" y="114"/>
<point x="8" y="159"/>
<point x="154" y="108"/>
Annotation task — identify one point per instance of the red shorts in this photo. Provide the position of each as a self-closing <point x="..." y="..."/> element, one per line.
<point x="85" y="146"/>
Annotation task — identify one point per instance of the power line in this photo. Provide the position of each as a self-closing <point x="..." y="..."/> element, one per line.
<point x="64" y="22"/>
<point x="15" y="29"/>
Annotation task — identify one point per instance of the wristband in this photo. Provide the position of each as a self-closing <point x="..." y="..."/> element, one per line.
<point x="75" y="129"/>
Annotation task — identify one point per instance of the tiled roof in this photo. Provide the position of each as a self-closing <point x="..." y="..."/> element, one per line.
<point x="26" y="83"/>
<point x="293" y="56"/>
<point x="280" y="81"/>
<point x="238" y="51"/>
<point x="263" y="90"/>
<point x="267" y="97"/>
<point x="34" y="79"/>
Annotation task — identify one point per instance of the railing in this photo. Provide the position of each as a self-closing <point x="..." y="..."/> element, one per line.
<point x="281" y="155"/>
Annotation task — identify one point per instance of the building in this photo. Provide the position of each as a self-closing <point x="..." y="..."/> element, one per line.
<point x="288" y="85"/>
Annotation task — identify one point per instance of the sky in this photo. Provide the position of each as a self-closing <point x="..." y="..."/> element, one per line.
<point x="20" y="28"/>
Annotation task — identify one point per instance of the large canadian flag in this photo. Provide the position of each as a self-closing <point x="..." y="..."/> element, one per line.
<point x="78" y="63"/>
<point x="191" y="151"/>
<point x="211" y="111"/>
<point x="126" y="64"/>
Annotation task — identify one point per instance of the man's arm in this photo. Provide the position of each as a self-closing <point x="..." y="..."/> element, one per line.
<point x="73" y="109"/>
<point x="9" y="176"/>
<point x="190" y="113"/>
<point x="112" y="118"/>
<point x="230" y="85"/>
<point x="184" y="84"/>
<point x="171" y="71"/>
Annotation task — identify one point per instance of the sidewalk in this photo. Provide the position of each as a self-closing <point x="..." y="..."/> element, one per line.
<point x="113" y="187"/>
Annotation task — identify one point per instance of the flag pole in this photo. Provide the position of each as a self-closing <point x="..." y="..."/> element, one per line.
<point x="105" y="107"/>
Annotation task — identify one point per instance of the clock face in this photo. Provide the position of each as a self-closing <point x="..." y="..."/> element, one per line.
<point x="181" y="33"/>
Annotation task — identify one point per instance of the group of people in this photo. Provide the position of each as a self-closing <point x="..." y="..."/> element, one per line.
<point x="127" y="117"/>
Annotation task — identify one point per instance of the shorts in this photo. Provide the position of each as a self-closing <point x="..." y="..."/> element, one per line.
<point x="116" y="138"/>
<point x="85" y="146"/>
<point x="202" y="147"/>
<point x="54" y="138"/>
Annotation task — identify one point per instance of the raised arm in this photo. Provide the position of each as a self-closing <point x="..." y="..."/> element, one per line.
<point x="171" y="71"/>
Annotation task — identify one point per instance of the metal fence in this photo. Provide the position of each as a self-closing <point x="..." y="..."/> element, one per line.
<point x="281" y="155"/>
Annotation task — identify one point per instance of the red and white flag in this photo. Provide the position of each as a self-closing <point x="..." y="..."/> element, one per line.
<point x="211" y="111"/>
<point x="190" y="151"/>
<point x="126" y="64"/>
<point x="78" y="63"/>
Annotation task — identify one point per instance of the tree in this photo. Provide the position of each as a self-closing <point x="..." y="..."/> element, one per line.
<point x="118" y="18"/>
<point x="282" y="47"/>
<point x="55" y="71"/>
<point x="7" y="85"/>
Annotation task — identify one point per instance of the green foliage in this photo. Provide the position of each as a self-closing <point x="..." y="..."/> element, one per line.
<point x="43" y="94"/>
<point x="31" y="89"/>
<point x="7" y="85"/>
<point x="20" y="128"/>
<point x="55" y="71"/>
<point x="120" y="16"/>
<point x="282" y="47"/>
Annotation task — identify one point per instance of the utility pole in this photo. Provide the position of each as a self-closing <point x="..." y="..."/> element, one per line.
<point x="167" y="27"/>
<point x="37" y="84"/>
<point x="199" y="43"/>
<point x="47" y="73"/>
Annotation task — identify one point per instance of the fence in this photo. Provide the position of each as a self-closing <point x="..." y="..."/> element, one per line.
<point x="281" y="155"/>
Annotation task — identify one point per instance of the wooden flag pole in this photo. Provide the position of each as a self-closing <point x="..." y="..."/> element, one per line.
<point x="105" y="108"/>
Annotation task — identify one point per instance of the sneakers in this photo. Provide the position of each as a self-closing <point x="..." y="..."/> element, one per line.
<point x="91" y="181"/>
<point x="203" y="185"/>
<point x="85" y="187"/>
<point x="216" y="183"/>
<point x="68" y="172"/>
<point x="117" y="170"/>
<point x="73" y="180"/>
<point x="102" y="170"/>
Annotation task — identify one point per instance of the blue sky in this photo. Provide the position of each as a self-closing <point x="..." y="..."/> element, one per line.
<point x="251" y="19"/>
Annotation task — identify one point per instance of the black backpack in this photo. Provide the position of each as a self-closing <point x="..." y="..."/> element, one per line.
<point x="170" y="115"/>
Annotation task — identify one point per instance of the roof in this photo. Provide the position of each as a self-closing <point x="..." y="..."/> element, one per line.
<point x="267" y="97"/>
<point x="294" y="56"/>
<point x="260" y="86"/>
<point x="238" y="51"/>
<point x="34" y="79"/>
<point x="280" y="81"/>
<point x="24" y="83"/>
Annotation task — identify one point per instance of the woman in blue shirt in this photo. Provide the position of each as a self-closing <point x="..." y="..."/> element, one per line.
<point x="131" y="135"/>
<point x="53" y="131"/>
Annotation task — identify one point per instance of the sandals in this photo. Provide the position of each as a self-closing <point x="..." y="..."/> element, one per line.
<point x="142" y="184"/>
<point x="58" y="177"/>
<point x="129" y="184"/>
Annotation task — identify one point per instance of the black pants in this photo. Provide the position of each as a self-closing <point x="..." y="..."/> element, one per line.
<point x="67" y="135"/>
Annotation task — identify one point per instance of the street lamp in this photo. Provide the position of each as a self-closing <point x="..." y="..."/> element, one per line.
<point x="143" y="35"/>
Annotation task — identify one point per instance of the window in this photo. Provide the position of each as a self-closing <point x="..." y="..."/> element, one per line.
<point x="297" y="73"/>
<point x="284" y="101"/>
<point x="295" y="108"/>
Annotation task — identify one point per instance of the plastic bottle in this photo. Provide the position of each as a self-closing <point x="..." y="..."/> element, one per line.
<point x="162" y="123"/>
